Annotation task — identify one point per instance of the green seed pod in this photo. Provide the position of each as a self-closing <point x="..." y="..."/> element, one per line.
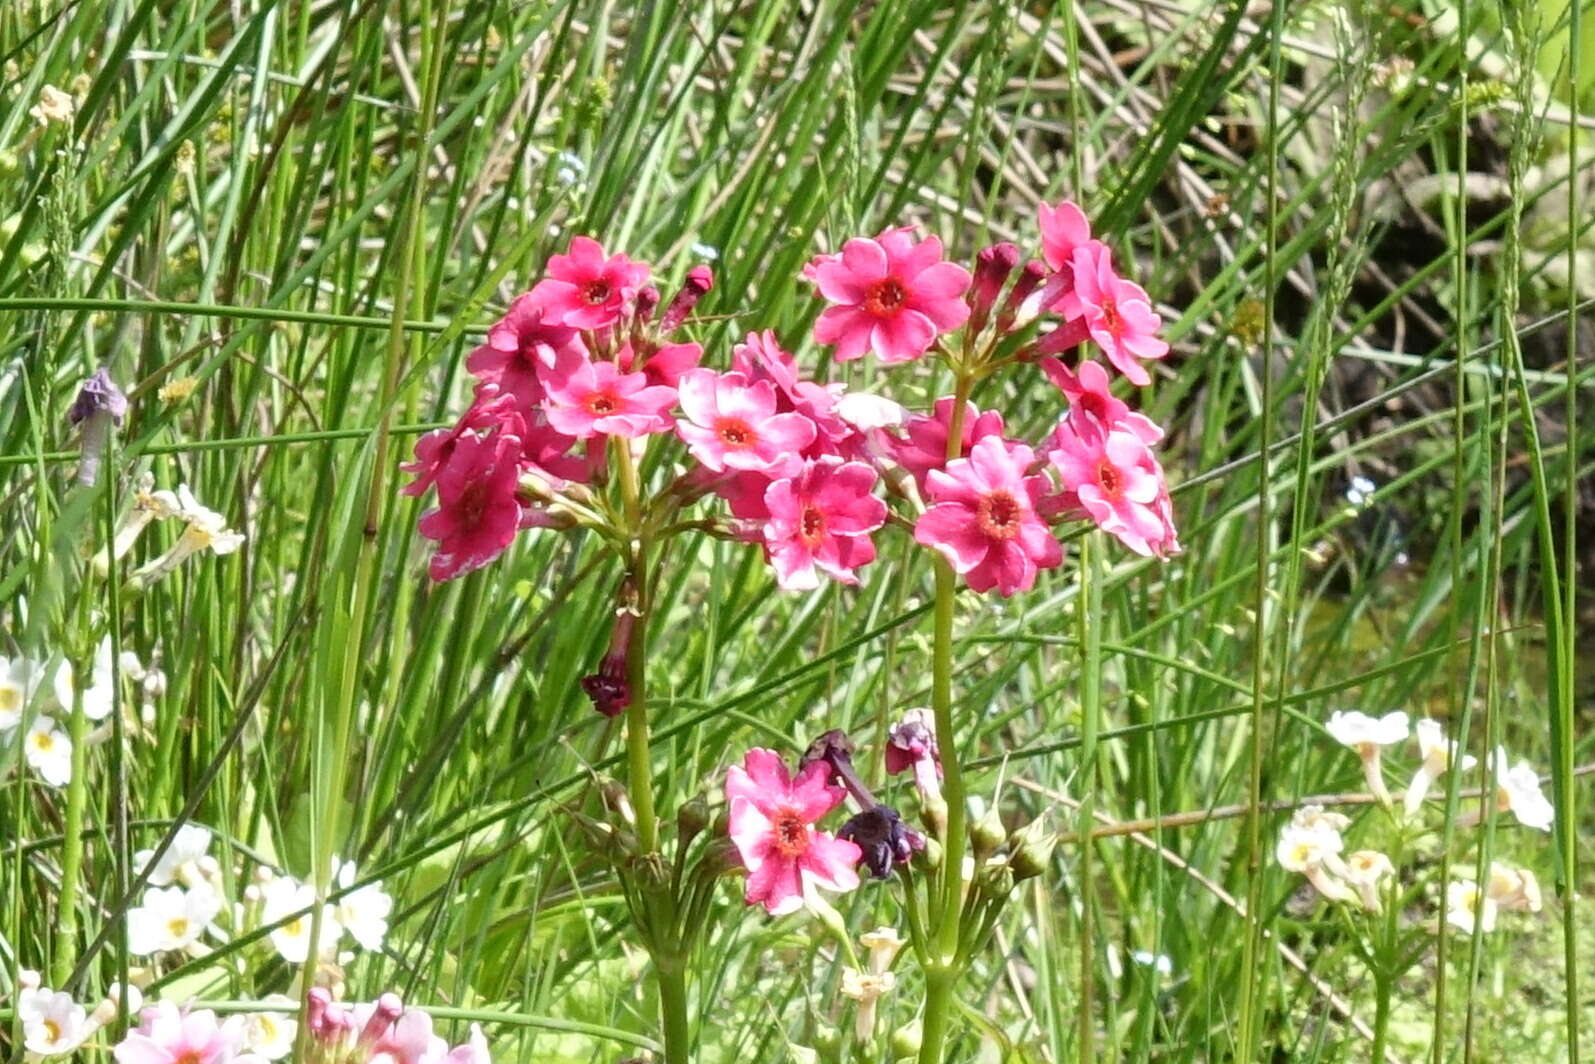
<point x="1030" y="850"/>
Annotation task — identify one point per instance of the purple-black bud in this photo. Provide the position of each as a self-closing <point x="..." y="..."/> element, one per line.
<point x="610" y="687"/>
<point x="883" y="838"/>
<point x="99" y="405"/>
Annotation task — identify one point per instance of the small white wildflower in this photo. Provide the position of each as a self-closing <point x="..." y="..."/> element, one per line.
<point x="362" y="913"/>
<point x="99" y="695"/>
<point x="1360" y="492"/>
<point x="1158" y="962"/>
<point x="206" y="530"/>
<point x="171" y="919"/>
<point x="883" y="945"/>
<point x="52" y="1023"/>
<point x="53" y="106"/>
<point x="180" y="862"/>
<point x="49" y="751"/>
<point x="270" y="1035"/>
<point x="1517" y="791"/>
<point x="18" y="679"/>
<point x="286" y="895"/>
<point x="1311" y="844"/>
<point x="149" y="505"/>
<point x="1366" y="735"/>
<point x="705" y="251"/>
<point x="1466" y="906"/>
<point x="571" y="169"/>
<point x="1438" y="755"/>
<point x="1514" y="889"/>
<point x="1364" y="870"/>
<point x="110" y="1007"/>
<point x="866" y="988"/>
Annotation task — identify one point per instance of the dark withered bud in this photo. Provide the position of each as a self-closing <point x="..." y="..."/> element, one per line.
<point x="1029" y="280"/>
<point x="699" y="280"/>
<point x="992" y="267"/>
<point x="99" y="405"/>
<point x="884" y="839"/>
<point x="610" y="687"/>
<point x="836" y="750"/>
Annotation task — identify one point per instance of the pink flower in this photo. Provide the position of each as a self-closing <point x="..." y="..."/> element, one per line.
<point x="490" y="412"/>
<point x="382" y="1032"/>
<point x="760" y="357"/>
<point x="478" y="512"/>
<point x="772" y="818"/>
<point x="586" y="290"/>
<point x="1093" y="408"/>
<point x="594" y="398"/>
<point x="1063" y="228"/>
<point x="924" y="447"/>
<point x="911" y="744"/>
<point x="524" y="340"/>
<point x="665" y="365"/>
<point x="889" y="295"/>
<point x="731" y="424"/>
<point x="1117" y="482"/>
<point x="1118" y="313"/>
<point x="820" y="522"/>
<point x="167" y="1035"/>
<point x="984" y="520"/>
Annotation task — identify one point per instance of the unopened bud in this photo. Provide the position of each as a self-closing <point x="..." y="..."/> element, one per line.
<point x="996" y="879"/>
<point x="699" y="280"/>
<point x="905" y="1041"/>
<point x="987" y="834"/>
<point x="1024" y="286"/>
<point x="692" y="818"/>
<point x="1030" y="850"/>
<point x="992" y="267"/>
<point x="827" y="1039"/>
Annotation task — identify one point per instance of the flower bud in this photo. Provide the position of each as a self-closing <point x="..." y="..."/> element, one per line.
<point x="987" y="834"/>
<point x="996" y="879"/>
<point x="692" y="818"/>
<point x="1029" y="280"/>
<point x="992" y="267"/>
<point x="100" y="404"/>
<point x="1030" y="850"/>
<point x="827" y="1039"/>
<point x="699" y="280"/>
<point x="905" y="1041"/>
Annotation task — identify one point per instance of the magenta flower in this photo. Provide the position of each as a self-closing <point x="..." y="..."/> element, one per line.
<point x="595" y="398"/>
<point x="664" y="365"/>
<point x="527" y="340"/>
<point x="478" y="512"/>
<point x="382" y="1032"/>
<point x="1117" y="483"/>
<point x="1118" y="313"/>
<point x="731" y="424"/>
<point x="1093" y="408"/>
<point x="820" y="522"/>
<point x="911" y="744"/>
<point x="490" y="412"/>
<point x="924" y="445"/>
<point x="772" y="827"/>
<point x="167" y="1035"/>
<point x="585" y="289"/>
<point x="1063" y="228"/>
<point x="984" y="520"/>
<point x="889" y="295"/>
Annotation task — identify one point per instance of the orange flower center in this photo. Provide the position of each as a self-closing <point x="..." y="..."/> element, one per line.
<point x="885" y="298"/>
<point x="601" y="404"/>
<point x="735" y="432"/>
<point x="811" y="525"/>
<point x="1110" y="478"/>
<point x="1110" y="317"/>
<point x="998" y="515"/>
<point x="791" y="833"/>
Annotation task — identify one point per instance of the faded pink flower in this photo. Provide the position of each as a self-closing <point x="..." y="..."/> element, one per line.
<point x="596" y="398"/>
<point x="984" y="519"/>
<point x="923" y="446"/>
<point x="167" y="1035"/>
<point x="587" y="290"/>
<point x="478" y="512"/>
<point x="526" y="339"/>
<point x="889" y="295"/>
<point x="1118" y="313"/>
<point x="1093" y="408"/>
<point x="820" y="522"/>
<point x="772" y="827"/>
<point x="1117" y="482"/>
<point x="731" y="424"/>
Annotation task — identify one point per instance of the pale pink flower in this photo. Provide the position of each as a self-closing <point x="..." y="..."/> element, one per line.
<point x="478" y="512"/>
<point x="760" y="357"/>
<point x="772" y="827"/>
<point x="525" y="341"/>
<point x="888" y="295"/>
<point x="1118" y="313"/>
<point x="820" y="522"/>
<point x="923" y="445"/>
<point x="167" y="1035"/>
<point x="1064" y="230"/>
<point x="1117" y="482"/>
<point x="587" y="290"/>
<point x="728" y="423"/>
<point x="1093" y="408"/>
<point x="596" y="398"/>
<point x="984" y="519"/>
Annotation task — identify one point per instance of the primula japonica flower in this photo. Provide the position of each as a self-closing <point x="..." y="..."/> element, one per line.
<point x="760" y="357"/>
<point x="1093" y="408"/>
<point x="478" y="511"/>
<point x="911" y="744"/>
<point x="1116" y="481"/>
<point x="665" y="365"/>
<point x="729" y="423"/>
<point x="382" y="1032"/>
<point x="772" y="826"/>
<point x="171" y="919"/>
<point x="1311" y="844"/>
<point x="889" y="295"/>
<point x="1117" y="313"/>
<point x="923" y="445"/>
<point x="587" y="289"/>
<point x="1366" y="735"/>
<point x="1438" y="754"/>
<point x="527" y="341"/>
<point x="820" y="522"/>
<point x="596" y="398"/>
<point x="168" y="1035"/>
<point x="983" y="519"/>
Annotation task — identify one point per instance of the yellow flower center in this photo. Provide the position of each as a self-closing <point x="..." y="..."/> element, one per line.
<point x="178" y="927"/>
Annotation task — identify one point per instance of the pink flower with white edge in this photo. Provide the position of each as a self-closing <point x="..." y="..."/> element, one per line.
<point x="478" y="512"/>
<point x="587" y="289"/>
<point x="820" y="522"/>
<point x="889" y="295"/>
<point x="772" y="827"/>
<point x="167" y="1035"/>
<point x="528" y="337"/>
<point x="923" y="446"/>
<point x="1117" y="313"/>
<point x="729" y="423"/>
<point x="1117" y="482"/>
<point x="1093" y="408"/>
<point x="595" y="398"/>
<point x="984" y="519"/>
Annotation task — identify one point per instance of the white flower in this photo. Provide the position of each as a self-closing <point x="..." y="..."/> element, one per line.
<point x="99" y="696"/>
<point x="1517" y="791"/>
<point x="206" y="530"/>
<point x="1467" y="906"/>
<point x="1438" y="755"/>
<point x="1158" y="962"/>
<point x="865" y="411"/>
<point x="1311" y="844"/>
<point x="1513" y="888"/>
<point x="364" y="912"/>
<point x="1364" y="870"/>
<point x="270" y="1035"/>
<point x="287" y="895"/>
<point x="180" y="862"/>
<point x="49" y="751"/>
<point x="1360" y="491"/>
<point x="18" y="679"/>
<point x="705" y="251"/>
<point x="866" y="988"/>
<point x="170" y="919"/>
<point x="1366" y="735"/>
<point x="52" y="1023"/>
<point x="883" y="944"/>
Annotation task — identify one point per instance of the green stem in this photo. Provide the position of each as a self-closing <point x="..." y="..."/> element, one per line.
<point x="66" y="930"/>
<point x="939" y="984"/>
<point x="1381" y="1021"/>
<point x="673" y="1006"/>
<point x="639" y="762"/>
